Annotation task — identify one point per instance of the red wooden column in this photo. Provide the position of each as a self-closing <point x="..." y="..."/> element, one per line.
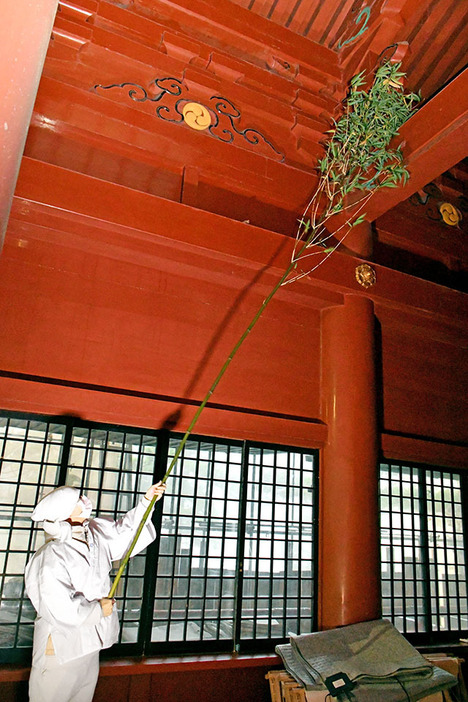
<point x="24" y="38"/>
<point x="349" y="577"/>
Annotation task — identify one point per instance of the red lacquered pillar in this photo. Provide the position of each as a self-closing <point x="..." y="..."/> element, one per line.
<point x="24" y="37"/>
<point x="349" y="575"/>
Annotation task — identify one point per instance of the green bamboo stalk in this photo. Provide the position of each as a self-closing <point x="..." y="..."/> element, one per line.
<point x="197" y="414"/>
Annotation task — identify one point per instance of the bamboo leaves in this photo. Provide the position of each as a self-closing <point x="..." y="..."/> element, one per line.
<point x="358" y="156"/>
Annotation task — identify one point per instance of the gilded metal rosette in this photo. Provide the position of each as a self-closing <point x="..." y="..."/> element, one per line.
<point x="365" y="275"/>
<point x="451" y="215"/>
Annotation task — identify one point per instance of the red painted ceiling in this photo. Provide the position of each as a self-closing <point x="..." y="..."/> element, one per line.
<point x="285" y="65"/>
<point x="435" y="30"/>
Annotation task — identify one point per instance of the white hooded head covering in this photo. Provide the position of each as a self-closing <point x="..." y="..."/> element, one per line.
<point x="56" y="505"/>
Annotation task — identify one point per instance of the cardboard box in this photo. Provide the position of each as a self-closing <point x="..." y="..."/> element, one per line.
<point x="316" y="696"/>
<point x="284" y="688"/>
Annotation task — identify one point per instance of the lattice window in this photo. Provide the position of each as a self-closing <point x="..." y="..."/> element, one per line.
<point x="196" y="576"/>
<point x="114" y="468"/>
<point x="423" y="549"/>
<point x="237" y="557"/>
<point x="31" y="452"/>
<point x="278" y="572"/>
<point x="234" y="562"/>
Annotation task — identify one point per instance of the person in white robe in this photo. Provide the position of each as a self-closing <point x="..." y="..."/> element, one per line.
<point x="67" y="581"/>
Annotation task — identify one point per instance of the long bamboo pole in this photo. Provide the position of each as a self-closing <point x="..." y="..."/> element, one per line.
<point x="197" y="414"/>
<point x="292" y="266"/>
<point x="296" y="257"/>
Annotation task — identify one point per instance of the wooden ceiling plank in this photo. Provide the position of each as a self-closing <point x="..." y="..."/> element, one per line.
<point x="292" y="13"/>
<point x="450" y="67"/>
<point x="260" y="7"/>
<point x="329" y="17"/>
<point x="443" y="31"/>
<point x="303" y="21"/>
<point x="339" y="26"/>
<point x="279" y="11"/>
<point x="321" y="23"/>
<point x="416" y="23"/>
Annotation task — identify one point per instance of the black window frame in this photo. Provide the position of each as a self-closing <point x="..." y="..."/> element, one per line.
<point x="425" y="634"/>
<point x="143" y="644"/>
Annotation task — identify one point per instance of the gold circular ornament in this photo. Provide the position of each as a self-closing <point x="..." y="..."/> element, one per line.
<point x="365" y="275"/>
<point x="196" y="116"/>
<point x="450" y="214"/>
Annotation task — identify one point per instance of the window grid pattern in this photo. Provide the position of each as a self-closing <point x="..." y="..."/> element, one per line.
<point x="447" y="571"/>
<point x="232" y="511"/>
<point x="114" y="468"/>
<point x="196" y="576"/>
<point x="423" y="566"/>
<point x="278" y="565"/>
<point x="31" y="452"/>
<point x="402" y="552"/>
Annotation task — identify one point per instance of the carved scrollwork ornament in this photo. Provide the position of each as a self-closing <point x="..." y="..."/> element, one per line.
<point x="365" y="275"/>
<point x="221" y="119"/>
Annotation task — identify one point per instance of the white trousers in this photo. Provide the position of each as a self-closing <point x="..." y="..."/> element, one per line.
<point x="70" y="682"/>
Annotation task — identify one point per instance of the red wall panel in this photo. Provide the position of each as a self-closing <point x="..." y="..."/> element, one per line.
<point x="161" y="321"/>
<point x="424" y="378"/>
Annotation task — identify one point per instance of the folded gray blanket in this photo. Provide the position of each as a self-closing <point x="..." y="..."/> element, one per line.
<point x="367" y="651"/>
<point x="371" y="654"/>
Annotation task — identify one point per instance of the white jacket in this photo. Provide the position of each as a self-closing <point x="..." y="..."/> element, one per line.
<point x="66" y="578"/>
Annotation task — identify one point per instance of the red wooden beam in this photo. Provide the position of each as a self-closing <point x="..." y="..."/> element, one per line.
<point x="435" y="139"/>
<point x="230" y="23"/>
<point x="65" y="191"/>
<point x="162" y="664"/>
<point x="24" y="37"/>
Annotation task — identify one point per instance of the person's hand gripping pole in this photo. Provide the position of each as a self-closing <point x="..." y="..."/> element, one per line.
<point x="154" y="494"/>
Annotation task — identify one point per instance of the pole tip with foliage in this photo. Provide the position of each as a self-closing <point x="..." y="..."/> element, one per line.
<point x="359" y="159"/>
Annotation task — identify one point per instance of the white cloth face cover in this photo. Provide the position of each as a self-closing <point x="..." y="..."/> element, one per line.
<point x="86" y="507"/>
